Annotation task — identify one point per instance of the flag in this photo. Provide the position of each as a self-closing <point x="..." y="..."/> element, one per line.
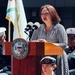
<point x="16" y="15"/>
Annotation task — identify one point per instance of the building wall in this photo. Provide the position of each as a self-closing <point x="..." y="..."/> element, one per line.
<point x="38" y="3"/>
<point x="56" y="3"/>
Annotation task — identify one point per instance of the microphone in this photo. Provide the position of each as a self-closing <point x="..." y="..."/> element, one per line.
<point x="35" y="25"/>
<point x="29" y="26"/>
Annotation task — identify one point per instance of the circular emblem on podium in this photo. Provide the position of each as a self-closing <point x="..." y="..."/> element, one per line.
<point x="19" y="48"/>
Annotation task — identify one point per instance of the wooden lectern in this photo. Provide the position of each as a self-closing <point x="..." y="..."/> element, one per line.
<point x="30" y="64"/>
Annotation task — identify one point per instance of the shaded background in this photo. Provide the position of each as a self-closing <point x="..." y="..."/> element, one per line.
<point x="65" y="9"/>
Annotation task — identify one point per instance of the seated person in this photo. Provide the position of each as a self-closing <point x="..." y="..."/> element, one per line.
<point x="71" y="49"/>
<point x="2" y="39"/>
<point x="48" y="65"/>
<point x="5" y="61"/>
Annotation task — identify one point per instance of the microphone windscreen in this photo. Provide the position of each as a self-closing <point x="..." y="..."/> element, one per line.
<point x="37" y="24"/>
<point x="30" y="23"/>
<point x="29" y="26"/>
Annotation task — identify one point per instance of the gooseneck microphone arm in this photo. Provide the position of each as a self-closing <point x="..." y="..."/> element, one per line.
<point x="28" y="28"/>
<point x="31" y="27"/>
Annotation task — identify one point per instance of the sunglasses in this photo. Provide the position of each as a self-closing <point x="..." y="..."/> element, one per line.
<point x="19" y="47"/>
<point x="71" y="35"/>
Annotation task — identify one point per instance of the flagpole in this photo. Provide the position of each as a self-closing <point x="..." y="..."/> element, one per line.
<point x="9" y="31"/>
<point x="17" y="17"/>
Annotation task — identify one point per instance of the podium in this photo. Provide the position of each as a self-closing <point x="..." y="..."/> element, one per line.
<point x="30" y="64"/>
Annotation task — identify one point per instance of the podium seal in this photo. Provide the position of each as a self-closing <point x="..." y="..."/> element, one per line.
<point x="19" y="48"/>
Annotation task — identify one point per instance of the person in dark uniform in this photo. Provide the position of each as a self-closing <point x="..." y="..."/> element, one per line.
<point x="71" y="49"/>
<point x="48" y="65"/>
<point x="2" y="38"/>
<point x="5" y="61"/>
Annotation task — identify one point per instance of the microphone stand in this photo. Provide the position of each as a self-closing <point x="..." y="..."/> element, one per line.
<point x="30" y="33"/>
